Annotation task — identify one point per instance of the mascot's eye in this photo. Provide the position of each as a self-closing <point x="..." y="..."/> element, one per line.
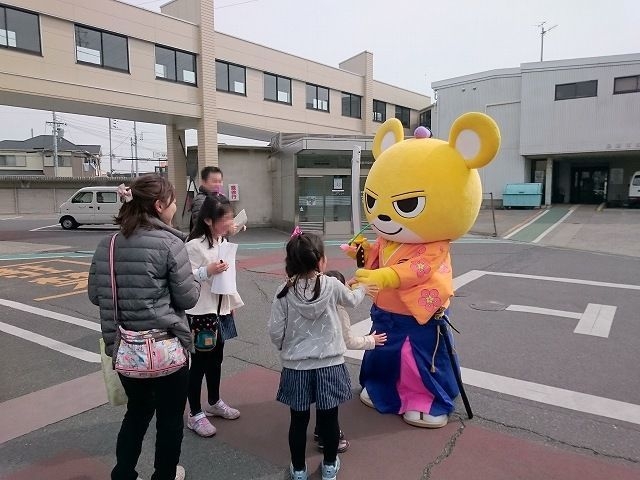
<point x="371" y="202"/>
<point x="410" y="207"/>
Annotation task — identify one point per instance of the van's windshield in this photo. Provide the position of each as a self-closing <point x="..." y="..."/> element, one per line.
<point x="83" y="197"/>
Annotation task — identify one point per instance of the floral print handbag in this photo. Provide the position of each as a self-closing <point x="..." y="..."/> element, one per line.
<point x="147" y="353"/>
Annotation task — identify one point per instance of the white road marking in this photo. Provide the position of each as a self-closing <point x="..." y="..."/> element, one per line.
<point x="11" y="218"/>
<point x="596" y="320"/>
<point x="50" y="314"/>
<point x="561" y="279"/>
<point x="580" y="402"/>
<point x="50" y="343"/>
<point x="46" y="256"/>
<point x="42" y="228"/>
<point x="470" y="276"/>
<point x="552" y="227"/>
<point x="543" y="311"/>
<point x="522" y="227"/>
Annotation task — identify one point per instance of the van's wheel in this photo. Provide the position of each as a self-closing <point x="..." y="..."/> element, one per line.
<point x="68" y="223"/>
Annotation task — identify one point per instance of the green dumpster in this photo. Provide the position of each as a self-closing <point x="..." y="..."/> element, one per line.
<point x="522" y="195"/>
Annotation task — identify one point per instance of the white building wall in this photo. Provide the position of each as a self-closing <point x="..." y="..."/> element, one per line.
<point x="605" y="123"/>
<point x="497" y="94"/>
<point x="255" y="189"/>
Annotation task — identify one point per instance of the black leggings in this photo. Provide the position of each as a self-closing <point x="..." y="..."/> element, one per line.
<point x="207" y="364"/>
<point x="328" y="429"/>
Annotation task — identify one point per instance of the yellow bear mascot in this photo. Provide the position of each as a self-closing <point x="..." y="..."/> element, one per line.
<point x="420" y="194"/>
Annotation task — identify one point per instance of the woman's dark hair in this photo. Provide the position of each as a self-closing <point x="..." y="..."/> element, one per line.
<point x="213" y="208"/>
<point x="336" y="274"/>
<point x="145" y="191"/>
<point x="304" y="252"/>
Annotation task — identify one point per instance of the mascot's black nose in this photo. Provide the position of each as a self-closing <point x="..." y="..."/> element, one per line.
<point x="384" y="218"/>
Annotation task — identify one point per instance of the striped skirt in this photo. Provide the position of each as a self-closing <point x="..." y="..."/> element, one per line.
<point x="327" y="387"/>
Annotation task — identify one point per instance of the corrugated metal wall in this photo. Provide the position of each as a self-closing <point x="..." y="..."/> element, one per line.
<point x="498" y="97"/>
<point x="605" y="123"/>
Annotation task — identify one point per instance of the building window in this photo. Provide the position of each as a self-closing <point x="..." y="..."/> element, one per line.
<point x="13" y="161"/>
<point x="19" y="29"/>
<point x="63" y="161"/>
<point x="317" y="98"/>
<point x="103" y="49"/>
<point x="231" y="78"/>
<point x="626" y="84"/>
<point x="404" y="115"/>
<point x="351" y="105"/>
<point x="175" y="65"/>
<point x="568" y="91"/>
<point x="379" y="111"/>
<point x="425" y="119"/>
<point x="277" y="88"/>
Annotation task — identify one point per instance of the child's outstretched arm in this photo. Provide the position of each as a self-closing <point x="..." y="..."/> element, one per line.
<point x="348" y="297"/>
<point x="358" y="342"/>
<point x="277" y="323"/>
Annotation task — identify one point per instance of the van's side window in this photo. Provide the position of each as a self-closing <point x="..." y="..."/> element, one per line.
<point x="83" y="197"/>
<point x="106" y="197"/>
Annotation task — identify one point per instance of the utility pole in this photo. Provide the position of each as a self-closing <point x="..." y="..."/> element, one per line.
<point x="56" y="130"/>
<point x="55" y="146"/>
<point x="135" y="136"/>
<point x="542" y="33"/>
<point x="112" y="123"/>
<point x="132" y="157"/>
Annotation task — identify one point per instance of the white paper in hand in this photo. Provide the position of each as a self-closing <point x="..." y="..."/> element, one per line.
<point x="240" y="219"/>
<point x="225" y="283"/>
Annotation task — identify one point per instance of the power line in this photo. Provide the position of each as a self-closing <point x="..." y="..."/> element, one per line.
<point x="215" y="8"/>
<point x="235" y="4"/>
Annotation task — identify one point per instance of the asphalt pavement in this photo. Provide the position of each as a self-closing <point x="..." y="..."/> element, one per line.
<point x="547" y="311"/>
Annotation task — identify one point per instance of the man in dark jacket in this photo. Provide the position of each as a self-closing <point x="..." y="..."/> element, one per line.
<point x="210" y="182"/>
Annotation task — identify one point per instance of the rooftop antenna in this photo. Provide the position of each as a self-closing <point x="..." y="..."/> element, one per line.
<point x="542" y="32"/>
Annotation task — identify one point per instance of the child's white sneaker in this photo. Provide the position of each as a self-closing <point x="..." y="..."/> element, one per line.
<point x="298" y="474"/>
<point x="200" y="424"/>
<point x="330" y="472"/>
<point x="221" y="409"/>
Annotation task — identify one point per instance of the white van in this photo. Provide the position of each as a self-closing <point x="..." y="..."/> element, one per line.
<point x="90" y="206"/>
<point x="634" y="190"/>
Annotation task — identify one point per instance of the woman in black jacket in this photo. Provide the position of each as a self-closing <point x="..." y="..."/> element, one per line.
<point x="155" y="287"/>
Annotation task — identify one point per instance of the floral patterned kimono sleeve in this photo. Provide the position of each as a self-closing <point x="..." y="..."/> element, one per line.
<point x="425" y="279"/>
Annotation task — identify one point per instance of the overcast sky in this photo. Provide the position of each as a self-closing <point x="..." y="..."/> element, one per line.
<point x="414" y="43"/>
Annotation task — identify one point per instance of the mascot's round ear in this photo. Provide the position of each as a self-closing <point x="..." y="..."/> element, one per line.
<point x="476" y="137"/>
<point x="389" y="133"/>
